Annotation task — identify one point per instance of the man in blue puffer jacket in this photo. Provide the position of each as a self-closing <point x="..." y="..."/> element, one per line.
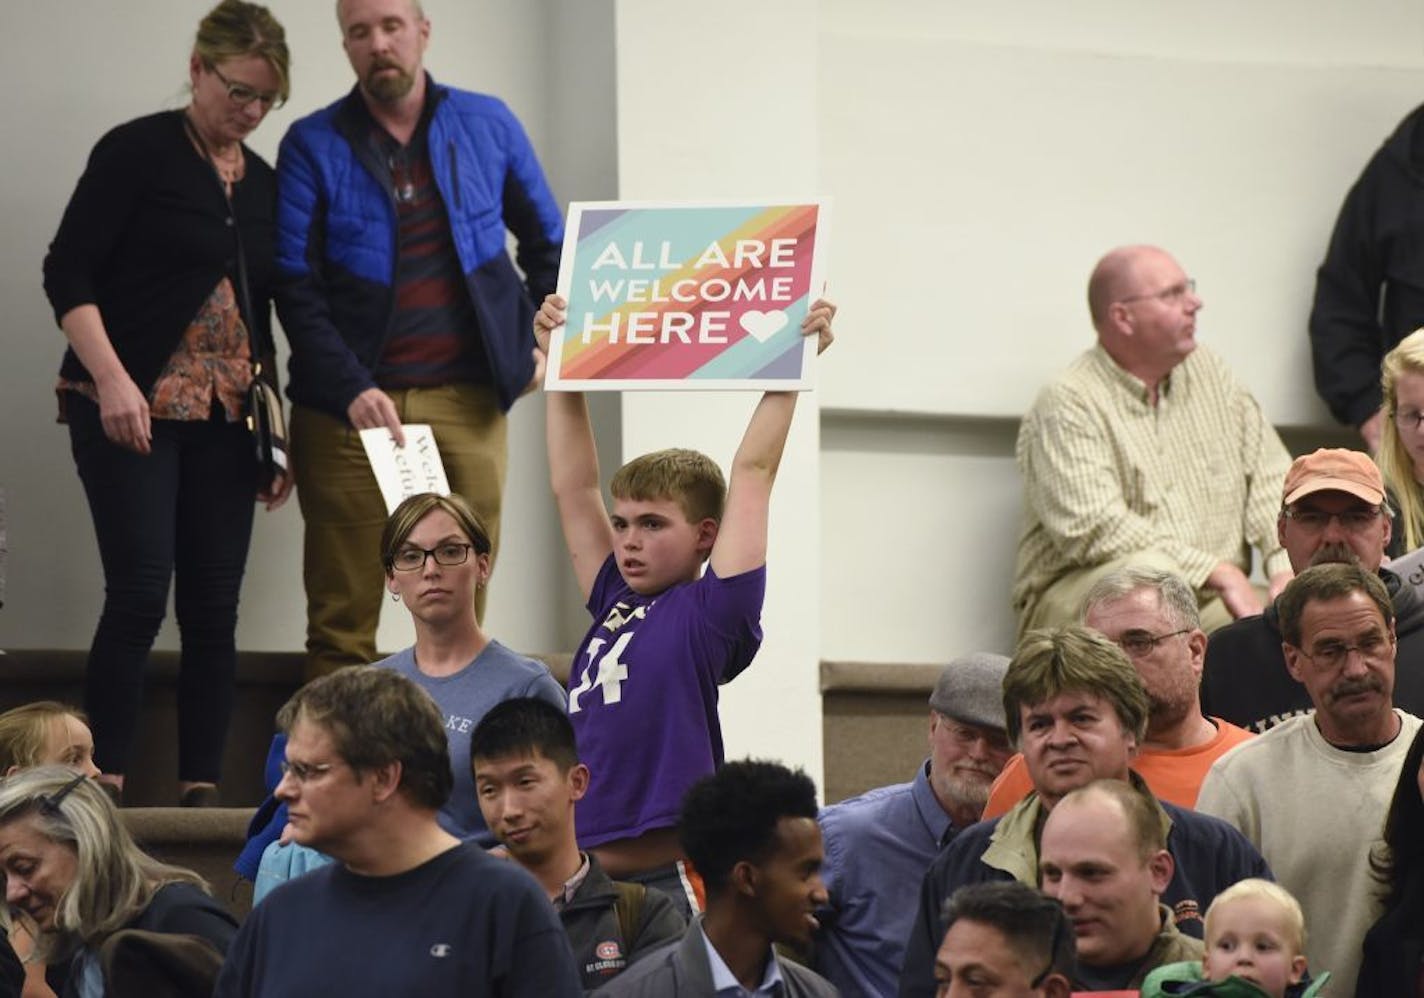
<point x="400" y="301"/>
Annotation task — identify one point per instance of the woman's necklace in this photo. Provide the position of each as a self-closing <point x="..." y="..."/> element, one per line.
<point x="229" y="166"/>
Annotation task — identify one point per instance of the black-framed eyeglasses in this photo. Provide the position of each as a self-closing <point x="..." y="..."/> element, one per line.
<point x="1168" y="296"/>
<point x="1332" y="654"/>
<point x="1140" y="644"/>
<point x="242" y="95"/>
<point x="1408" y="419"/>
<point x="413" y="559"/>
<point x="49" y="803"/>
<point x="1316" y="520"/>
<point x="304" y="772"/>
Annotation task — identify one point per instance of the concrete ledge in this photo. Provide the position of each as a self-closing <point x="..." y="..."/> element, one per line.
<point x="204" y="840"/>
<point x="878" y="677"/>
<point x="876" y="718"/>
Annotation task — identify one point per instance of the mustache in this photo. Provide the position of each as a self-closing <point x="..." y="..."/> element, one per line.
<point x="1353" y="687"/>
<point x="1334" y="553"/>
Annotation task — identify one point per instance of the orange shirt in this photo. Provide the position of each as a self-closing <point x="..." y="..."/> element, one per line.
<point x="1174" y="775"/>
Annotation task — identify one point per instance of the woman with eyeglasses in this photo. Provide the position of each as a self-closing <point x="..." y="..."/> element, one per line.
<point x="436" y="556"/>
<point x="161" y="277"/>
<point x="1401" y="455"/>
<point x="72" y="869"/>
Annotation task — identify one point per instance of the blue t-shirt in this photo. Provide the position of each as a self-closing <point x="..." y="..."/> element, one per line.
<point x="465" y="697"/>
<point x="643" y="694"/>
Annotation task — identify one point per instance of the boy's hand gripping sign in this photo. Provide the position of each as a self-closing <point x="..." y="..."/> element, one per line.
<point x="687" y="296"/>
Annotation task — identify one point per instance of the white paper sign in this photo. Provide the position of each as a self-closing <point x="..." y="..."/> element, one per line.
<point x="405" y="471"/>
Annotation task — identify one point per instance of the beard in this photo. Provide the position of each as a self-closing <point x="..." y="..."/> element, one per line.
<point x="388" y="87"/>
<point x="968" y="791"/>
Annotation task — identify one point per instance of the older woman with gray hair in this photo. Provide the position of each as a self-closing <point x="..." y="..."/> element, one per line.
<point x="72" y="869"/>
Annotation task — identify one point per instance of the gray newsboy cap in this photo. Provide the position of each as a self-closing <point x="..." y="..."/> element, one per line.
<point x="971" y="689"/>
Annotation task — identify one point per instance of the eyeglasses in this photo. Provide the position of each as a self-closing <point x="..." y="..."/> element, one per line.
<point x="1140" y="644"/>
<point x="1168" y="296"/>
<point x="1315" y="520"/>
<point x="304" y="772"/>
<point x="49" y="803"/>
<point x="1332" y="654"/>
<point x="413" y="559"/>
<point x="1408" y="419"/>
<point x="242" y="95"/>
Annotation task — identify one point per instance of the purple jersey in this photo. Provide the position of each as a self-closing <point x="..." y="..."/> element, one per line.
<point x="643" y="694"/>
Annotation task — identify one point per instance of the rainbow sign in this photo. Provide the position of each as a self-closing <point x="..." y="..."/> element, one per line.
<point x="687" y="296"/>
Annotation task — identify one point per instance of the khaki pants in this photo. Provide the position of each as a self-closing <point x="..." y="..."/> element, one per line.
<point x="344" y="514"/>
<point x="1062" y="602"/>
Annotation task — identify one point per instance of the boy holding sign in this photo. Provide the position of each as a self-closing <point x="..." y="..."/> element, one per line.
<point x="643" y="686"/>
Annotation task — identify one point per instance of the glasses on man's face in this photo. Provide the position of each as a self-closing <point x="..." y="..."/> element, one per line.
<point x="1332" y="654"/>
<point x="304" y="772"/>
<point x="1140" y="644"/>
<point x="1314" y="521"/>
<point x="242" y="95"/>
<point x="1409" y="419"/>
<point x="1174" y="295"/>
<point x="413" y="559"/>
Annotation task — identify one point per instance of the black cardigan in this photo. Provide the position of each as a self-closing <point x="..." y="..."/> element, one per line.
<point x="146" y="237"/>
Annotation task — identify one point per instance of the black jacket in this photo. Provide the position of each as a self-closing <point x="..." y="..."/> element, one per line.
<point x="146" y="238"/>
<point x="1244" y="679"/>
<point x="1376" y="252"/>
<point x="1394" y="949"/>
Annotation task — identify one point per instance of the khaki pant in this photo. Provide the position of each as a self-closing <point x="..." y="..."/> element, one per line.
<point x="1062" y="602"/>
<point x="344" y="514"/>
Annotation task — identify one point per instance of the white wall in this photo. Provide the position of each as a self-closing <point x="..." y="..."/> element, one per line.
<point x="709" y="109"/>
<point x="982" y="156"/>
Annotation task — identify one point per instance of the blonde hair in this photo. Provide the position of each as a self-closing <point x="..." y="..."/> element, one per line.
<point x="1394" y="461"/>
<point x="114" y="880"/>
<point x="1292" y="918"/>
<point x="687" y="477"/>
<point x="235" y="28"/>
<point x="24" y="732"/>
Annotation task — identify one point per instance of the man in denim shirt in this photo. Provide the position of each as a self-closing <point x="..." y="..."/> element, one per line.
<point x="879" y="845"/>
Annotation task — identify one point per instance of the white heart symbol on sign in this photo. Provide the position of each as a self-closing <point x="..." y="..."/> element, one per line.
<point x="762" y="326"/>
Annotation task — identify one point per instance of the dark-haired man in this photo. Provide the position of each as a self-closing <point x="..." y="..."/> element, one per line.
<point x="1005" y="940"/>
<point x="406" y="908"/>
<point x="1333" y="509"/>
<point x="1078" y="710"/>
<point x="527" y="779"/>
<point x="1312" y="793"/>
<point x="750" y="830"/>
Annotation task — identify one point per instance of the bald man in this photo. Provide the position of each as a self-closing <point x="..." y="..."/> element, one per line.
<point x="1147" y="451"/>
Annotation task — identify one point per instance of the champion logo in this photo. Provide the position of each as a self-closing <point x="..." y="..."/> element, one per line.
<point x="609" y="950"/>
<point x="440" y="950"/>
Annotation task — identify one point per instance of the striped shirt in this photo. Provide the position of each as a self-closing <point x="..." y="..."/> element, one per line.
<point x="1198" y="477"/>
<point x="434" y="337"/>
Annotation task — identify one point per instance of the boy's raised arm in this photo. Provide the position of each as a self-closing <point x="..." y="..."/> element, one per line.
<point x="741" y="540"/>
<point x="573" y="466"/>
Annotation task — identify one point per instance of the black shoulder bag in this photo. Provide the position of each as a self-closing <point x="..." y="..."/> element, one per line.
<point x="264" y="406"/>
